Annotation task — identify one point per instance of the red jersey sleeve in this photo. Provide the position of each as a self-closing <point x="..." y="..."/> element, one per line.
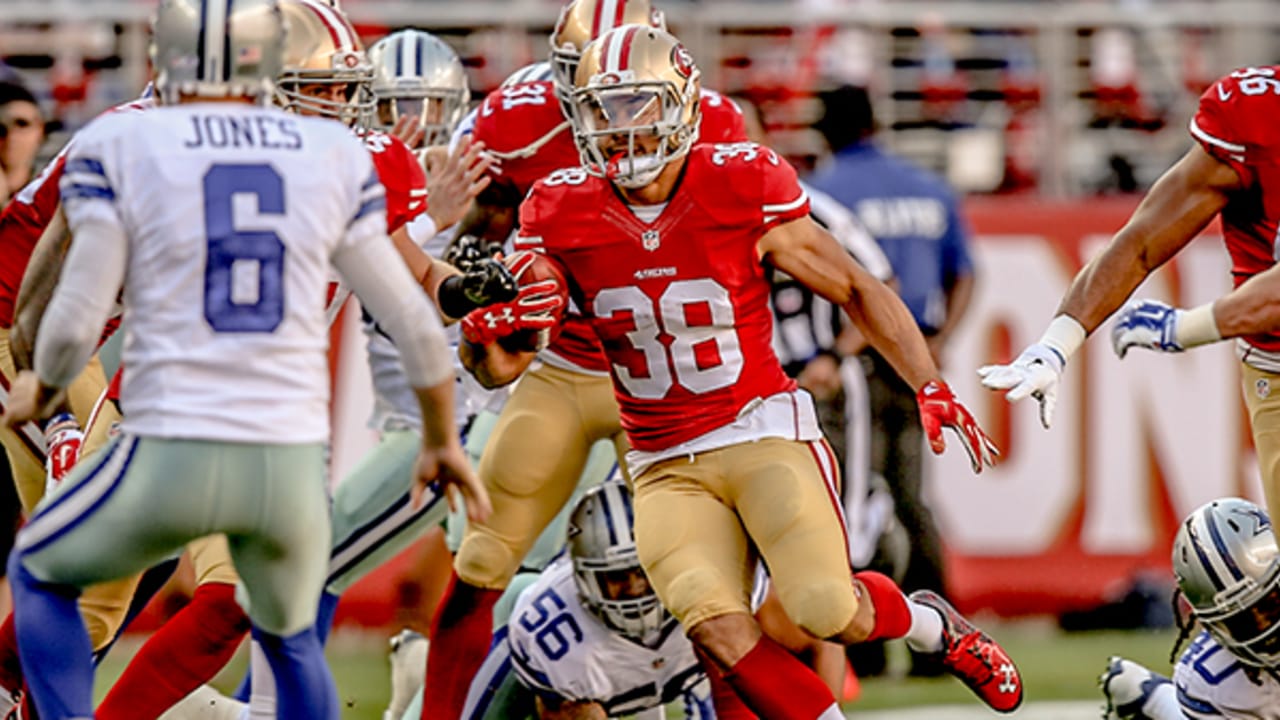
<point x="781" y="198"/>
<point x="401" y="174"/>
<point x="722" y="120"/>
<point x="1234" y="117"/>
<point x="525" y="133"/>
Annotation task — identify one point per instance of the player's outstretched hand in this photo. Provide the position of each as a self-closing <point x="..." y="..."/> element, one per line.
<point x="29" y="399"/>
<point x="534" y="308"/>
<point x="940" y="409"/>
<point x="447" y="466"/>
<point x="1147" y="324"/>
<point x="452" y="183"/>
<point x="1035" y="373"/>
<point x="409" y="131"/>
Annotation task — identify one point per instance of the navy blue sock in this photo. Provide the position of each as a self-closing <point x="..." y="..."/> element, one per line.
<point x="304" y="687"/>
<point x="52" y="639"/>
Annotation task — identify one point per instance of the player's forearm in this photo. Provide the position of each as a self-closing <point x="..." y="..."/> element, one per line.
<point x="889" y="327"/>
<point x="1180" y="205"/>
<point x="1252" y="308"/>
<point x="36" y="290"/>
<point x="82" y="301"/>
<point x="572" y="711"/>
<point x="436" y="405"/>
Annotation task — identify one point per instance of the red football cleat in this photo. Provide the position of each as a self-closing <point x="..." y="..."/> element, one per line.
<point x="971" y="655"/>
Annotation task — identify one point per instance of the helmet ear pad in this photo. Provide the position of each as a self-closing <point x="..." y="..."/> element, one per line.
<point x="1228" y="569"/>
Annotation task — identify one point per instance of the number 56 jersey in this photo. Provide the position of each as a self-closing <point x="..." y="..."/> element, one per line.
<point x="560" y="649"/>
<point x="232" y="215"/>
<point x="680" y="303"/>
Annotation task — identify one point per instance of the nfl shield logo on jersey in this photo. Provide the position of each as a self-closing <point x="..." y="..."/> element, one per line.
<point x="650" y="240"/>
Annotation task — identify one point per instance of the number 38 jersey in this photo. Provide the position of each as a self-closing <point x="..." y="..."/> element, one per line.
<point x="1212" y="683"/>
<point x="560" y="649"/>
<point x="1235" y="123"/>
<point x="232" y="214"/>
<point x="681" y="303"/>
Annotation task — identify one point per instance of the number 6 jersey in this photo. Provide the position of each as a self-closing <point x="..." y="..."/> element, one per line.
<point x="680" y="303"/>
<point x="232" y="215"/>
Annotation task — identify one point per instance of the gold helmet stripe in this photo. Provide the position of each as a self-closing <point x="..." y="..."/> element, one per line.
<point x="617" y="52"/>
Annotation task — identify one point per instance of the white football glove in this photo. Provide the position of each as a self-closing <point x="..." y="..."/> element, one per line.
<point x="1036" y="373"/>
<point x="1147" y="324"/>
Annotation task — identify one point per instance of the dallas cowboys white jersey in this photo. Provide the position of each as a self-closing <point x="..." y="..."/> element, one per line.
<point x="1212" y="683"/>
<point x="560" y="648"/>
<point x="258" y="215"/>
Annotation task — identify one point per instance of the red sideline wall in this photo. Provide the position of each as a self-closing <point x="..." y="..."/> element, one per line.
<point x="1070" y="513"/>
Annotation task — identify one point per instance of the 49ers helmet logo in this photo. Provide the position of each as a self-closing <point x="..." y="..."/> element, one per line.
<point x="682" y="60"/>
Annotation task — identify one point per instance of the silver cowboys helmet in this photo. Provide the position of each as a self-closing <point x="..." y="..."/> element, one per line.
<point x="1228" y="568"/>
<point x="216" y="48"/>
<point x="417" y="73"/>
<point x="323" y="49"/>
<point x="605" y="564"/>
<point x="635" y="83"/>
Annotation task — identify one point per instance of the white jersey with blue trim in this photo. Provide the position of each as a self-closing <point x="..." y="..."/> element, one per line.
<point x="232" y="214"/>
<point x="1212" y="683"/>
<point x="560" y="649"/>
<point x="395" y="405"/>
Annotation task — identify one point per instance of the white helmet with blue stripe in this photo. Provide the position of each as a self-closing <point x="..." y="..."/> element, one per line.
<point x="1228" y="567"/>
<point x="417" y="73"/>
<point x="607" y="567"/>
<point x="216" y="48"/>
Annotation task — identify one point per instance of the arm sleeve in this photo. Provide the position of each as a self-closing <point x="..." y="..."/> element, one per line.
<point x="91" y="275"/>
<point x="782" y="198"/>
<point x="1216" y="126"/>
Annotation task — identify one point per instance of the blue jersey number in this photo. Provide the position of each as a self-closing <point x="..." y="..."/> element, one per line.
<point x="232" y="251"/>
<point x="554" y="634"/>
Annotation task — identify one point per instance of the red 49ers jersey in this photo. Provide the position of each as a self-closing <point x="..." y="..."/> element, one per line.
<point x="682" y="304"/>
<point x="401" y="174"/>
<point x="722" y="120"/>
<point x="27" y="215"/>
<point x="1236" y="124"/>
<point x="524" y="129"/>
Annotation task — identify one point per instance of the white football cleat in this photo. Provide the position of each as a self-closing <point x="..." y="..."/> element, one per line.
<point x="1127" y="686"/>
<point x="408" y="669"/>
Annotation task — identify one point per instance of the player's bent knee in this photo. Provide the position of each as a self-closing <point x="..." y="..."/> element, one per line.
<point x="822" y="608"/>
<point x="485" y="562"/>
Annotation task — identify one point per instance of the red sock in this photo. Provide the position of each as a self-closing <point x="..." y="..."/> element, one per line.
<point x="727" y="703"/>
<point x="10" y="666"/>
<point x="775" y="685"/>
<point x="893" y="617"/>
<point x="460" y="638"/>
<point x="182" y="655"/>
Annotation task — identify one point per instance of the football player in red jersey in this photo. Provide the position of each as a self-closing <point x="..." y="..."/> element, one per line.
<point x="542" y="438"/>
<point x="666" y="245"/>
<point x="1228" y="174"/>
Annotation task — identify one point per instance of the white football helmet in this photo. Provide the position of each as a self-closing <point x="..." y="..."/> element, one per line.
<point x="534" y="72"/>
<point x="417" y="73"/>
<point x="322" y="48"/>
<point x="634" y="83"/>
<point x="582" y="21"/>
<point x="603" y="551"/>
<point x="1228" y="568"/>
<point x="217" y="48"/>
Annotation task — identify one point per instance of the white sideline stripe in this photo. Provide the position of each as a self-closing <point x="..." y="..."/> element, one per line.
<point x="1195" y="130"/>
<point x="1059" y="710"/>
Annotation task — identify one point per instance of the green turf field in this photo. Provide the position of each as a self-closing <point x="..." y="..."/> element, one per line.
<point x="1055" y="666"/>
